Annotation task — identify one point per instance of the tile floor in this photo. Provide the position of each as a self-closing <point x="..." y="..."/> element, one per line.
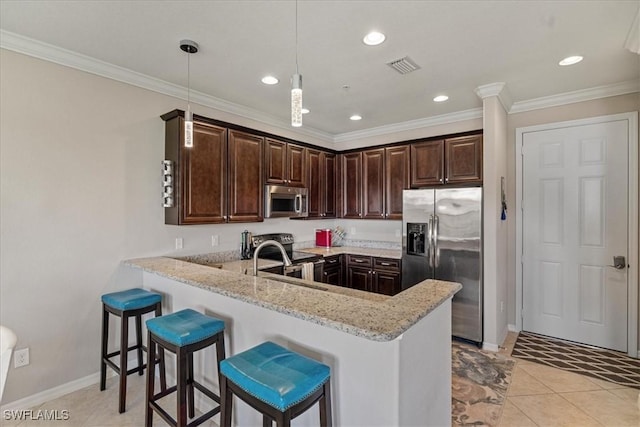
<point x="538" y="396"/>
<point x="544" y="396"/>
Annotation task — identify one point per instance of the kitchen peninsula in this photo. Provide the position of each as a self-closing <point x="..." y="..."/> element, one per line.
<point x="390" y="356"/>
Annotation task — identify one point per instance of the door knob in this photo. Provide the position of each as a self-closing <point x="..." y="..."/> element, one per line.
<point x="619" y="262"/>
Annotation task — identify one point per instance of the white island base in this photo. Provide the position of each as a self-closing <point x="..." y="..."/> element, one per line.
<point x="403" y="382"/>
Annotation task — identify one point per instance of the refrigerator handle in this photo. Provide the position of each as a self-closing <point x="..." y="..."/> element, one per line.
<point x="430" y="241"/>
<point x="436" y="247"/>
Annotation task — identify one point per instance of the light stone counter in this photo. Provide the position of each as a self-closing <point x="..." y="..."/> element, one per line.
<point x="363" y="314"/>
<point x="356" y="250"/>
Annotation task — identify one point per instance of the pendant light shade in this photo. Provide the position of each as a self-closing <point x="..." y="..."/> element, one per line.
<point x="296" y="100"/>
<point x="190" y="47"/>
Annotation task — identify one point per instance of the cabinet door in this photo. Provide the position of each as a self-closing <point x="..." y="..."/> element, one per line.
<point x="333" y="276"/>
<point x="314" y="178"/>
<point x="352" y="185"/>
<point x="296" y="165"/>
<point x="201" y="196"/>
<point x="373" y="183"/>
<point x="359" y="278"/>
<point x="334" y="270"/>
<point x="427" y="163"/>
<point x="328" y="193"/>
<point x="464" y="159"/>
<point x="396" y="179"/>
<point x="386" y="282"/>
<point x="275" y="161"/>
<point x="246" y="193"/>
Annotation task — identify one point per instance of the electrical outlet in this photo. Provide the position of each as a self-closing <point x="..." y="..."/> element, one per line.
<point x="21" y="357"/>
<point x="352" y="231"/>
<point x="215" y="240"/>
<point x="178" y="242"/>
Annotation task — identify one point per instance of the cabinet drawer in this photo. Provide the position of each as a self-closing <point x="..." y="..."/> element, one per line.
<point x="363" y="261"/>
<point x="386" y="264"/>
<point x="332" y="260"/>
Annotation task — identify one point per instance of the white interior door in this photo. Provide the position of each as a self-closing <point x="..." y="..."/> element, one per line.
<point x="574" y="213"/>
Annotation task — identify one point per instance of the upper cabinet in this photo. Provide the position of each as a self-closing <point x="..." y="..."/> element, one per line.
<point x="217" y="180"/>
<point x="321" y="182"/>
<point x="246" y="192"/>
<point x="447" y="161"/>
<point x="285" y="163"/>
<point x="373" y="181"/>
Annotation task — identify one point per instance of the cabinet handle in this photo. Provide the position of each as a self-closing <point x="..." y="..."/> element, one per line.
<point x="325" y="273"/>
<point x="441" y="180"/>
<point x="385" y="263"/>
<point x="382" y="215"/>
<point x="358" y="260"/>
<point x="446" y="179"/>
<point x="224" y="217"/>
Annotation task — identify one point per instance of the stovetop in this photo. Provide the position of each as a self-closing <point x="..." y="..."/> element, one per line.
<point x="286" y="239"/>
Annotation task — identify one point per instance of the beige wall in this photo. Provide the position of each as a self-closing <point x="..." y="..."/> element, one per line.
<point x="580" y="110"/>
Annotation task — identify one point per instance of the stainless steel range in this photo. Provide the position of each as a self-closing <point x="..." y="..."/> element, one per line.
<point x="298" y="258"/>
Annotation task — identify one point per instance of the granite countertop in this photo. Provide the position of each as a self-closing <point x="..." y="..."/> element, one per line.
<point x="364" y="314"/>
<point x="355" y="250"/>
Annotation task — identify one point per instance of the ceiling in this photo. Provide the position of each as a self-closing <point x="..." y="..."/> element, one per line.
<point x="458" y="45"/>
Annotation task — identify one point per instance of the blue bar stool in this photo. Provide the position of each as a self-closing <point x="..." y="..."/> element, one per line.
<point x="182" y="333"/>
<point x="126" y="304"/>
<point x="277" y="382"/>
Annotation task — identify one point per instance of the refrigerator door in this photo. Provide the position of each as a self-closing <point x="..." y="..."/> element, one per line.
<point x="417" y="260"/>
<point x="458" y="255"/>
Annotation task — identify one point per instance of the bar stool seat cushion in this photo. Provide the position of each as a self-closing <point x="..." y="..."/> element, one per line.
<point x="275" y="375"/>
<point x="131" y="299"/>
<point x="185" y="327"/>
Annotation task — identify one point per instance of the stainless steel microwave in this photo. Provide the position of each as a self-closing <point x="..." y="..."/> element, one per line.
<point x="282" y="202"/>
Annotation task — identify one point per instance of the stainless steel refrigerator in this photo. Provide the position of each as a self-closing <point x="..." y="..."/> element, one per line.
<point x="442" y="239"/>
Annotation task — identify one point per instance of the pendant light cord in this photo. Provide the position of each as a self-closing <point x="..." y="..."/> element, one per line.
<point x="188" y="78"/>
<point x="297" y="37"/>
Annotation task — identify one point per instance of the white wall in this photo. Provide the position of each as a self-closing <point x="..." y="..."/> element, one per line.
<point x="80" y="191"/>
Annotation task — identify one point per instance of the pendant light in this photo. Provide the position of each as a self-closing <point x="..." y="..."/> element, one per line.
<point x="190" y="47"/>
<point x="296" y="87"/>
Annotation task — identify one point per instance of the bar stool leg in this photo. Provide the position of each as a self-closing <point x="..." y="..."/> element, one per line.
<point x="163" y="372"/>
<point x="151" y="366"/>
<point x="105" y="338"/>
<point x="181" y="372"/>
<point x="139" y="343"/>
<point x="266" y="421"/>
<point x="325" y="406"/>
<point x="124" y="346"/>
<point x="190" y="394"/>
<point x="226" y="403"/>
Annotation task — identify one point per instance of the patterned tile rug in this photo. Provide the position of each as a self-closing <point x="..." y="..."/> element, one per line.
<point x="607" y="365"/>
<point x="479" y="383"/>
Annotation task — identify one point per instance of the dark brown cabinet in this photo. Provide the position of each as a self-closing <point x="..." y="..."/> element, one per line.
<point x="447" y="161"/>
<point x="373" y="182"/>
<point x="334" y="270"/>
<point x="321" y="179"/>
<point x="463" y="159"/>
<point x="246" y="196"/>
<point x="351" y="193"/>
<point x="386" y="276"/>
<point x="285" y="164"/>
<point x="200" y="173"/>
<point x="216" y="180"/>
<point x="372" y="274"/>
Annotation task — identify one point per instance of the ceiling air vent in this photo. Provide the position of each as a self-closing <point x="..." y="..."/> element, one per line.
<point x="404" y="65"/>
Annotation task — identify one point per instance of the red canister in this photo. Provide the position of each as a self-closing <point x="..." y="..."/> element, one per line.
<point x="323" y="237"/>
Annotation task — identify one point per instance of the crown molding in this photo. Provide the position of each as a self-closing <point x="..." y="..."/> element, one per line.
<point x="24" y="45"/>
<point x="582" y="95"/>
<point x="51" y="53"/>
<point x="498" y="89"/>
<point x="458" y="116"/>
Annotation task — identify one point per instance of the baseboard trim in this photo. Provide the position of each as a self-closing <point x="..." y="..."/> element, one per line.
<point x="53" y="393"/>
<point x="490" y="346"/>
<point x="512" y="328"/>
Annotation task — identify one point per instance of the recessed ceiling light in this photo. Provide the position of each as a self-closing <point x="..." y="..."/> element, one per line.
<point x="355" y="117"/>
<point x="374" y="38"/>
<point x="570" y="60"/>
<point x="305" y="111"/>
<point x="440" y="98"/>
<point x="269" y="80"/>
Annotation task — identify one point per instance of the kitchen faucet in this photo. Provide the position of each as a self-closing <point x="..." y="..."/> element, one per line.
<point x="285" y="257"/>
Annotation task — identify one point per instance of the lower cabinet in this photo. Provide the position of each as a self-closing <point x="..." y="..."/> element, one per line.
<point x="372" y="274"/>
<point x="334" y="270"/>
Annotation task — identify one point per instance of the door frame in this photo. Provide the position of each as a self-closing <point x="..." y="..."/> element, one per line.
<point x="633" y="260"/>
